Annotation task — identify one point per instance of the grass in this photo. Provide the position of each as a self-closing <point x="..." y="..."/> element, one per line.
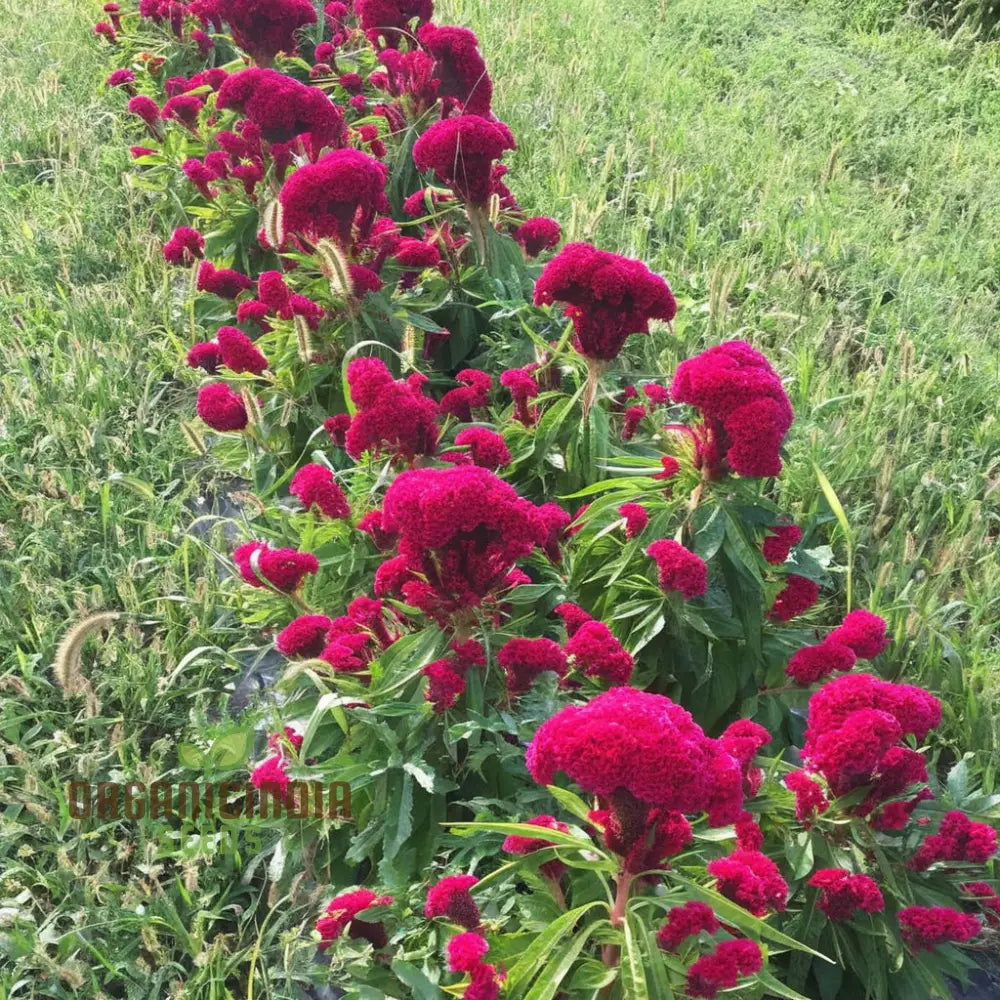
<point x="828" y="192"/>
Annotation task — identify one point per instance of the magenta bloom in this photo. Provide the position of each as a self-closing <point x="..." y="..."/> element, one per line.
<point x="841" y="893"/>
<point x="284" y="569"/>
<point x="459" y="67"/>
<point x="722" y="969"/>
<point x="239" y="354"/>
<point x="185" y="109"/>
<point x="573" y="617"/>
<point x="466" y="951"/>
<point x="958" y="839"/>
<point x="607" y="297"/>
<point x="862" y="632"/>
<point x="445" y="683"/>
<point x="304" y="636"/>
<point x="315" y="486"/>
<point x="486" y="447"/>
<point x="148" y="110"/>
<point x="811" y="663"/>
<point x="460" y="530"/>
<point x="517" y="844"/>
<point x="780" y="540"/>
<point x="271" y="775"/>
<point x="744" y="406"/>
<point x="810" y="801"/>
<point x="393" y="417"/>
<point x="206" y="356"/>
<point x="637" y="742"/>
<point x="451" y="898"/>
<point x="461" y="152"/>
<point x="280" y="108"/>
<point x="342" y="190"/>
<point x="525" y="659"/>
<point x="683" y="921"/>
<point x="121" y="78"/>
<point x="537" y="234"/>
<point x="751" y="880"/>
<point x="597" y="653"/>
<point x="221" y="408"/>
<point x="392" y="19"/>
<point x="925" y="927"/>
<point x="341" y="914"/>
<point x="263" y="28"/>
<point x="798" y="595"/>
<point x="472" y="394"/>
<point x="522" y="386"/>
<point x="185" y="246"/>
<point x="678" y="568"/>
<point x="221" y="281"/>
<point x="636" y="519"/>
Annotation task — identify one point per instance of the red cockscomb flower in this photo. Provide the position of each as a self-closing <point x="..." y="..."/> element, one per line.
<point x="607" y="297"/>
<point x="678" y="568"/>
<point x="811" y="663"/>
<point x="751" y="880"/>
<point x="206" y="356"/>
<point x="486" y="447"/>
<point x="842" y="893"/>
<point x="957" y="839"/>
<point x="636" y="519"/>
<point x="341" y="914"/>
<point x="263" y="28"/>
<point x="315" y="486"/>
<point x="810" y="800"/>
<point x="451" y="898"/>
<point x="221" y="281"/>
<point x="638" y="743"/>
<point x="744" y="406"/>
<point x="393" y="416"/>
<point x="461" y="152"/>
<point x="284" y="569"/>
<point x="337" y="194"/>
<point x="525" y="659"/>
<point x="517" y="844"/>
<point x="925" y="927"/>
<point x="271" y="775"/>
<point x="460" y="530"/>
<point x="722" y="969"/>
<point x="185" y="246"/>
<point x="148" y="110"/>
<point x="445" y="683"/>
<point x="780" y="540"/>
<point x="458" y="66"/>
<point x="987" y="897"/>
<point x="597" y="653"/>
<point x="239" y="354"/>
<point x="683" y="921"/>
<point x="466" y="951"/>
<point x="391" y="19"/>
<point x="633" y="417"/>
<point x="862" y="632"/>
<point x="522" y="386"/>
<point x="799" y="595"/>
<point x="304" y="636"/>
<point x="221" y="408"/>
<point x="537" y="234"/>
<point x="472" y="394"/>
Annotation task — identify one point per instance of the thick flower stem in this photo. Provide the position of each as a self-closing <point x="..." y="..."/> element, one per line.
<point x="478" y="222"/>
<point x="610" y="952"/>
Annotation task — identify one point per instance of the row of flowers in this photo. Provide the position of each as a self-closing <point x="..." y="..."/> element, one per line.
<point x="361" y="275"/>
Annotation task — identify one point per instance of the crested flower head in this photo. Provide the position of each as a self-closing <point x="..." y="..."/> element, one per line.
<point x="678" y="568"/>
<point x="743" y="404"/>
<point x="337" y="196"/>
<point x="462" y="152"/>
<point x="263" y="28"/>
<point x="221" y="408"/>
<point x="458" y="66"/>
<point x="607" y="297"/>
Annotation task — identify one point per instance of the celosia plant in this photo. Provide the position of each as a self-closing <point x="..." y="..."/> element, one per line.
<point x="501" y="565"/>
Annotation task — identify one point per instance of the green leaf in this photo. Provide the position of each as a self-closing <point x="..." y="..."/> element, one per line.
<point x="555" y="970"/>
<point x="634" y="985"/>
<point x="533" y="957"/>
<point x="191" y="757"/>
<point x="838" y="510"/>
<point x="570" y="802"/>
<point x="233" y="749"/>
<point x="411" y="976"/>
<point x="526" y="830"/>
<point x="775" y="988"/>
<point x="398" y="814"/>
